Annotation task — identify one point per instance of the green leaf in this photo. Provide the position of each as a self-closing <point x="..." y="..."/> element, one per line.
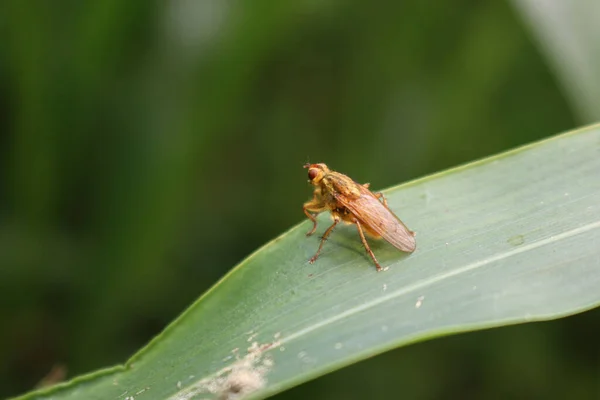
<point x="566" y="32"/>
<point x="510" y="239"/>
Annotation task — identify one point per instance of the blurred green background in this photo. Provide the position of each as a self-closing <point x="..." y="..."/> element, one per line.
<point x="146" y="147"/>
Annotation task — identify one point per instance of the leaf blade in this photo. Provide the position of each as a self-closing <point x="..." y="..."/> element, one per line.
<point x="509" y="239"/>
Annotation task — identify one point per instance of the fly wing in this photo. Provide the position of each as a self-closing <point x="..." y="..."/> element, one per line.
<point x="378" y="218"/>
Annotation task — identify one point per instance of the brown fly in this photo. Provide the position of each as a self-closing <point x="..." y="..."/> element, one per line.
<point x="354" y="203"/>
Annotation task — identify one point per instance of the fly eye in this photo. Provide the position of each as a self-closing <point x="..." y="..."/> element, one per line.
<point x="312" y="173"/>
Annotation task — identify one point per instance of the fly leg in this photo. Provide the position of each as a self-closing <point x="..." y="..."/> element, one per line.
<point x="313" y="219"/>
<point x="336" y="220"/>
<point x="364" y="241"/>
<point x="316" y="206"/>
<point x="380" y="196"/>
